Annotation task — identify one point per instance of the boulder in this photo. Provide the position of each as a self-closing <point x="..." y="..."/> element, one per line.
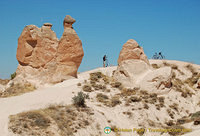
<point x="44" y="58"/>
<point x="134" y="70"/>
<point x="129" y="71"/>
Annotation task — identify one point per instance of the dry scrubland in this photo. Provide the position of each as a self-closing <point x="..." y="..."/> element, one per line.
<point x="98" y="100"/>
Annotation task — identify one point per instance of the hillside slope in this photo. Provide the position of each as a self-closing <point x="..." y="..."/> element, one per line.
<point x="133" y="108"/>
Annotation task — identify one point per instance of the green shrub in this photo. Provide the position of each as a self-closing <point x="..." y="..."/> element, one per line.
<point x="79" y="100"/>
<point x="195" y="115"/>
<point x="12" y="76"/>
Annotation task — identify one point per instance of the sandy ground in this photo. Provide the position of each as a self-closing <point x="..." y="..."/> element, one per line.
<point x="58" y="94"/>
<point x="62" y="93"/>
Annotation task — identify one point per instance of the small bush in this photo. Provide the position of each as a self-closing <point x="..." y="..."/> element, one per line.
<point x="161" y="99"/>
<point x="79" y="84"/>
<point x="170" y="113"/>
<point x="95" y="76"/>
<point x="170" y="123"/>
<point x="116" y="84"/>
<point x="115" y="101"/>
<point x="17" y="89"/>
<point x="101" y="97"/>
<point x="79" y="100"/>
<point x="174" y="106"/>
<point x="191" y="68"/>
<point x="12" y="76"/>
<point x="195" y="115"/>
<point x="146" y="106"/>
<point x="87" y="88"/>
<point x="98" y="86"/>
<point x="134" y="99"/>
<point x="128" y="92"/>
<point x="155" y="66"/>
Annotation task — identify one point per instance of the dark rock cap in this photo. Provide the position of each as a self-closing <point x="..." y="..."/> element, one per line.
<point x="47" y="24"/>
<point x="69" y="19"/>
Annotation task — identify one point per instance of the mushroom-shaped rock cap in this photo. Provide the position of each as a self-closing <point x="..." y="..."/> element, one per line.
<point x="69" y="19"/>
<point x="47" y="24"/>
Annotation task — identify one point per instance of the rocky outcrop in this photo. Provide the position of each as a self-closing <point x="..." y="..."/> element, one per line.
<point x="129" y="71"/>
<point x="44" y="58"/>
<point x="132" y="50"/>
<point x="198" y="84"/>
<point x="134" y="70"/>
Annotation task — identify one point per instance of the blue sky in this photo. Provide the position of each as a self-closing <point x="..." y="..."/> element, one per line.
<point x="170" y="26"/>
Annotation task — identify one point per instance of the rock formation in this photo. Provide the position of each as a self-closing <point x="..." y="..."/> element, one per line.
<point x="43" y="57"/>
<point x="131" y="50"/>
<point x="134" y="70"/>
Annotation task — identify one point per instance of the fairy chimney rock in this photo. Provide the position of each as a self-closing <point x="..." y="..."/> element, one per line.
<point x="43" y="57"/>
<point x="68" y="21"/>
<point x="130" y="51"/>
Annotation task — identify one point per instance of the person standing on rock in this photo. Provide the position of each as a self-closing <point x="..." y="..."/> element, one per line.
<point x="104" y="61"/>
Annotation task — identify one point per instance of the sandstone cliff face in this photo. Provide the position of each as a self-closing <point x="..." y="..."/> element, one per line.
<point x="43" y="57"/>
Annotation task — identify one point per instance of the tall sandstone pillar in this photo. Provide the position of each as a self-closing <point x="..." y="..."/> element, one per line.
<point x="45" y="59"/>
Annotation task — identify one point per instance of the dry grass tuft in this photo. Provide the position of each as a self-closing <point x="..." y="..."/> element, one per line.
<point x="102" y="98"/>
<point x="155" y="66"/>
<point x="115" y="101"/>
<point x="128" y="92"/>
<point x="43" y="122"/>
<point x="17" y="89"/>
<point x="4" y="81"/>
<point x="87" y="88"/>
<point x="116" y="85"/>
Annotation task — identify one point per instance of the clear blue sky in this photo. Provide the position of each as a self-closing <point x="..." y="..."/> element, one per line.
<point x="170" y="26"/>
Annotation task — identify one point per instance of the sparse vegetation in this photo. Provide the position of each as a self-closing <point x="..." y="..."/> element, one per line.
<point x="155" y="66"/>
<point x="4" y="81"/>
<point x="170" y="113"/>
<point x="192" y="80"/>
<point x="12" y="76"/>
<point x="191" y="68"/>
<point x="102" y="98"/>
<point x="127" y="92"/>
<point x="174" y="106"/>
<point x="116" y="84"/>
<point x="44" y="122"/>
<point x="179" y="86"/>
<point x="79" y="100"/>
<point x="17" y="89"/>
<point x="115" y="101"/>
<point x="134" y="99"/>
<point x="87" y="88"/>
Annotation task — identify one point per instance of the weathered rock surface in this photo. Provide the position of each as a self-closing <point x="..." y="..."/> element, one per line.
<point x="134" y="70"/>
<point x="44" y="58"/>
<point x="198" y="83"/>
<point x="128" y="71"/>
<point x="157" y="81"/>
<point x="132" y="50"/>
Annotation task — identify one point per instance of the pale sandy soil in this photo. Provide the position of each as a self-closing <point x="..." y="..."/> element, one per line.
<point x="62" y="93"/>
